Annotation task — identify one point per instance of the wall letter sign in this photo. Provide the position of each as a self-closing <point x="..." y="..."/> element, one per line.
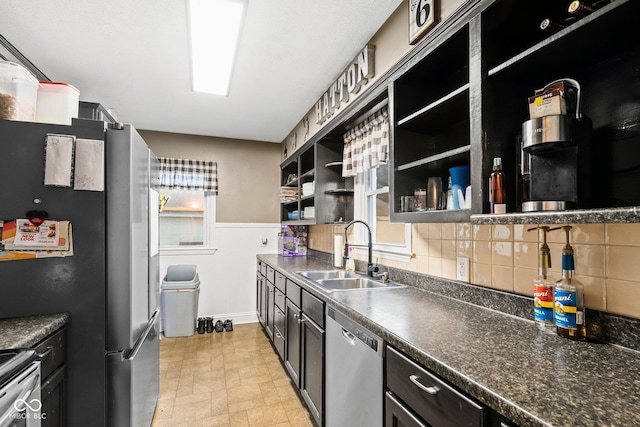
<point x="422" y="17"/>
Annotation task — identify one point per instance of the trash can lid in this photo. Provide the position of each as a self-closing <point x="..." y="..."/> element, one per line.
<point x="187" y="286"/>
<point x="180" y="273"/>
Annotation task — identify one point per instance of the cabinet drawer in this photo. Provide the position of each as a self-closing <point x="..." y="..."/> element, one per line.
<point x="435" y="401"/>
<point x="280" y="281"/>
<point x="278" y="332"/>
<point x="313" y="307"/>
<point x="51" y="353"/>
<point x="278" y="298"/>
<point x="263" y="268"/>
<point x="293" y="292"/>
<point x="270" y="274"/>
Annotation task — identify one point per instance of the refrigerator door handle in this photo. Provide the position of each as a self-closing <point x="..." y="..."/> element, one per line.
<point x="143" y="337"/>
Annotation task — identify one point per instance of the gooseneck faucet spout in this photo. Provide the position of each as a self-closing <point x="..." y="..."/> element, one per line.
<point x="370" y="268"/>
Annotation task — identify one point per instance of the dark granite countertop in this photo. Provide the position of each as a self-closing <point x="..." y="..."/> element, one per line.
<point x="26" y="332"/>
<point x="578" y="216"/>
<point x="502" y="360"/>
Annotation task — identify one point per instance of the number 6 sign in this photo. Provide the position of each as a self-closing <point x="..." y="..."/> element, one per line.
<point x="422" y="16"/>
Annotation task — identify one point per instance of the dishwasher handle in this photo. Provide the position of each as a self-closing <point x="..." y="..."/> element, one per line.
<point x="351" y="339"/>
<point x="427" y="389"/>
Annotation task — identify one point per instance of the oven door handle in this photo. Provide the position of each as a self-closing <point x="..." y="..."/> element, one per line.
<point x="145" y="333"/>
<point x="20" y="400"/>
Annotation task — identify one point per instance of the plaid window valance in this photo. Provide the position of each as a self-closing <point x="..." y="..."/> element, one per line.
<point x="188" y="174"/>
<point x="366" y="145"/>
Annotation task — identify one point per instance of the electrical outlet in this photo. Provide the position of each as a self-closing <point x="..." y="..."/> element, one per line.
<point x="462" y="269"/>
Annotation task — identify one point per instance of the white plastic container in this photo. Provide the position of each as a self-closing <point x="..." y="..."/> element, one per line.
<point x="308" y="188"/>
<point x="57" y="103"/>
<point x="18" y="92"/>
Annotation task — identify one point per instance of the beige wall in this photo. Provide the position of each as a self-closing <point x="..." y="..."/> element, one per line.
<point x="505" y="257"/>
<point x="248" y="172"/>
<point x="392" y="44"/>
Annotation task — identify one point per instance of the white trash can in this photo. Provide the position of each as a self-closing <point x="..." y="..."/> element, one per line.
<point x="179" y="294"/>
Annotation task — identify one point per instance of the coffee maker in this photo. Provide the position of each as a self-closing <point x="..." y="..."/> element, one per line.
<point x="555" y="150"/>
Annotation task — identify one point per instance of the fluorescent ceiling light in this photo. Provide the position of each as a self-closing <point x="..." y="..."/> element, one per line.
<point x="214" y="31"/>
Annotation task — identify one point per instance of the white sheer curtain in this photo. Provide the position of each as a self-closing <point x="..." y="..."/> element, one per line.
<point x="366" y="145"/>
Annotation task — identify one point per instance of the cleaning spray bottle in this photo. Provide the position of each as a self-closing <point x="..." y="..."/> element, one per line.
<point x="569" y="298"/>
<point x="543" y="286"/>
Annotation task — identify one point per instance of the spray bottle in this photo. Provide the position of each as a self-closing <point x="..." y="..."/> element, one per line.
<point x="569" y="298"/>
<point x="543" y="292"/>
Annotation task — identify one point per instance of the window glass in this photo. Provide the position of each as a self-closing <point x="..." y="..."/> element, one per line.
<point x="182" y="218"/>
<point x="377" y="210"/>
<point x="386" y="231"/>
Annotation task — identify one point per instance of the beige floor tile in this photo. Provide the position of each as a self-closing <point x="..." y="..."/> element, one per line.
<point x="226" y="379"/>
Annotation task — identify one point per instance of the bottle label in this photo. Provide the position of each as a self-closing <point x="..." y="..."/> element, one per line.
<point x="499" y="208"/>
<point x="543" y="303"/>
<point x="566" y="309"/>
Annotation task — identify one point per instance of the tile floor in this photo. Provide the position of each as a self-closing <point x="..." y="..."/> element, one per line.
<point x="226" y="379"/>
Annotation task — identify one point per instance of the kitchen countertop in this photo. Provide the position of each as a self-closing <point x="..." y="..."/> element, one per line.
<point x="532" y="378"/>
<point x="26" y="332"/>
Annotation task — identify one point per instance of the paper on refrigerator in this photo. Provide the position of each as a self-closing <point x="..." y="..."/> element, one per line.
<point x="44" y="247"/>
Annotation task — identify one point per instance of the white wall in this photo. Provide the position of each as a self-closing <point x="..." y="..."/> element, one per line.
<point x="228" y="276"/>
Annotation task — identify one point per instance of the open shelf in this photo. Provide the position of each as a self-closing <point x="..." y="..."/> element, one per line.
<point x="430" y="117"/>
<point x="435" y="158"/>
<point x="604" y="32"/>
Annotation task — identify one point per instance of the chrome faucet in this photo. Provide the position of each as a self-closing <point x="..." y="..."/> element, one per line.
<point x="370" y="267"/>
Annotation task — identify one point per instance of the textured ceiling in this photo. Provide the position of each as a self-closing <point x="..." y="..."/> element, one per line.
<point x="133" y="56"/>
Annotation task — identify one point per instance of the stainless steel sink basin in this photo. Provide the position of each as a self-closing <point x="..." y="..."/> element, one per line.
<point x="354" y="283"/>
<point x="327" y="274"/>
<point x="341" y="280"/>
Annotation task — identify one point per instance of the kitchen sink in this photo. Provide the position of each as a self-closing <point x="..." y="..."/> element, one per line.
<point x="327" y="274"/>
<point x="341" y="280"/>
<point x="354" y="283"/>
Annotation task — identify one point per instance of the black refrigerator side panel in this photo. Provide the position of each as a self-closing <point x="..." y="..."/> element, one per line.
<point x="73" y="284"/>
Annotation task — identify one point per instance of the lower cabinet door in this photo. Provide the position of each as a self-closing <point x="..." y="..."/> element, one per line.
<point x="279" y="334"/>
<point x="53" y="400"/>
<point x="269" y="302"/>
<point x="312" y="380"/>
<point x="292" y="347"/>
<point x="260" y="306"/>
<point x="399" y="416"/>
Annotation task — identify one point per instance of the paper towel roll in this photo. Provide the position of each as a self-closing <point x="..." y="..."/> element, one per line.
<point x="338" y="250"/>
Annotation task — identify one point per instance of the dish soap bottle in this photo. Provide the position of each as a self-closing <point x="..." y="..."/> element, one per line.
<point x="569" y="298"/>
<point x="543" y="287"/>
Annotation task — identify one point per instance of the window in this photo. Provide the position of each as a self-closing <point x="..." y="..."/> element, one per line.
<point x="187" y="204"/>
<point x="391" y="240"/>
<point x="185" y="217"/>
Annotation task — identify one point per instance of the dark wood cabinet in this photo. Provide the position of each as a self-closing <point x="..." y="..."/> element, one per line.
<point x="51" y="353"/>
<point x="269" y="302"/>
<point x="431" y="115"/>
<point x="461" y="96"/>
<point x="261" y="308"/>
<point x="294" y="337"/>
<point x="312" y="371"/>
<point x="294" y="322"/>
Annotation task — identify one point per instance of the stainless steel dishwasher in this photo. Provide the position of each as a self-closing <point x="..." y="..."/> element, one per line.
<point x="354" y="369"/>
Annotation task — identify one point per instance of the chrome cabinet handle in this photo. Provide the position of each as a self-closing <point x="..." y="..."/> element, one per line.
<point x="430" y="390"/>
<point x="278" y="335"/>
<point x="296" y="316"/>
<point x="300" y="320"/>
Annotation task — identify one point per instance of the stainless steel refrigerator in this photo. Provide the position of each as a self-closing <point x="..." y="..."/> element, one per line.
<point x="111" y="283"/>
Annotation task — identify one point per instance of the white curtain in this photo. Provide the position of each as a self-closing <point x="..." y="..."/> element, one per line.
<point x="366" y="145"/>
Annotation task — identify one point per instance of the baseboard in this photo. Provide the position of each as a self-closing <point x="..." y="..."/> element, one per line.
<point x="237" y="318"/>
